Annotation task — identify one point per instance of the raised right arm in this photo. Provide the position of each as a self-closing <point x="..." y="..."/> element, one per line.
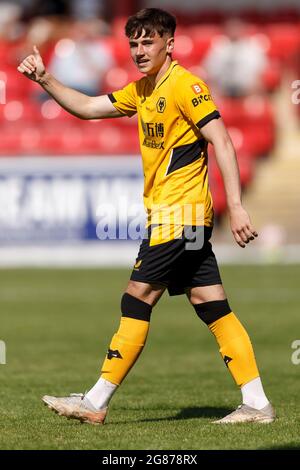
<point x="77" y="103"/>
<point x="73" y="101"/>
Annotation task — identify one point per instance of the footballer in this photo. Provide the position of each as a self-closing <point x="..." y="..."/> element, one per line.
<point x="177" y="119"/>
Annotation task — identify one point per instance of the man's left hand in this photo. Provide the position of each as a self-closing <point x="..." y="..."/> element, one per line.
<point x="241" y="226"/>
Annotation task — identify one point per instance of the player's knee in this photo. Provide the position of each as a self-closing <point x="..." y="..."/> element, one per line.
<point x="149" y="293"/>
<point x="199" y="294"/>
<point x="133" y="307"/>
<point x="212" y="311"/>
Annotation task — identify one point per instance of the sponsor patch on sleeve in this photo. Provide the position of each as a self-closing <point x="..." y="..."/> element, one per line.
<point x="197" y="88"/>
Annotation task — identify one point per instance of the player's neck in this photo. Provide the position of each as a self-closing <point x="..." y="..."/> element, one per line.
<point x="154" y="78"/>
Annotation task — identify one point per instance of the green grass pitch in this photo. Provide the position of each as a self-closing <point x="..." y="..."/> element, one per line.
<point x="57" y="325"/>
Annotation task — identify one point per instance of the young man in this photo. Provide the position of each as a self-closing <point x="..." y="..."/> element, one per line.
<point x="177" y="120"/>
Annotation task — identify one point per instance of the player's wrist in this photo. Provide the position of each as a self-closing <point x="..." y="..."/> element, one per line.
<point x="43" y="78"/>
<point x="234" y="205"/>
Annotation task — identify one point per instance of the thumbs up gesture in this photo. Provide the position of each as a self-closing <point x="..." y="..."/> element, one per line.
<point x="32" y="66"/>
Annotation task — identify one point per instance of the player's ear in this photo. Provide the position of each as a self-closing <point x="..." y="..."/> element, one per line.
<point x="170" y="45"/>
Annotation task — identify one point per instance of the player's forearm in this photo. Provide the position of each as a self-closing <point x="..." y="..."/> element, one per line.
<point x="227" y="162"/>
<point x="71" y="100"/>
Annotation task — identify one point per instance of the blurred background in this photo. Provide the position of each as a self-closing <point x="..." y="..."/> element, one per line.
<point x="67" y="185"/>
<point x="56" y="170"/>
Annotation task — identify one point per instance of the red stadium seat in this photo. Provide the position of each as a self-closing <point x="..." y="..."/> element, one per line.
<point x="284" y="41"/>
<point x="9" y="141"/>
<point x="251" y="124"/>
<point x="203" y="37"/>
<point x="271" y="77"/>
<point x="17" y="87"/>
<point x="19" y="112"/>
<point x="118" y="77"/>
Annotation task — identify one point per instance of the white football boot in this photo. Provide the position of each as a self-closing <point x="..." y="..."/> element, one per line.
<point x="246" y="414"/>
<point x="76" y="406"/>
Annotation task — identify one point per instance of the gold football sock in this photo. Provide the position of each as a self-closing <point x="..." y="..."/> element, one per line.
<point x="235" y="345"/>
<point x="235" y="348"/>
<point x="125" y="347"/>
<point x="128" y="343"/>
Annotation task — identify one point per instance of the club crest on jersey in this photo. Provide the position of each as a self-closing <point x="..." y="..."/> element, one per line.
<point x="161" y="104"/>
<point x="197" y="88"/>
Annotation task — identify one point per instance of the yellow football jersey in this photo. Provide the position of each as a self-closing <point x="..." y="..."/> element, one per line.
<point x="174" y="152"/>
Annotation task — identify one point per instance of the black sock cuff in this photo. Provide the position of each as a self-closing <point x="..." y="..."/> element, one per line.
<point x="212" y="311"/>
<point x="133" y="307"/>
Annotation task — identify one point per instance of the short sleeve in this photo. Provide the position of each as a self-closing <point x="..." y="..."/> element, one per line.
<point x="195" y="101"/>
<point x="125" y="100"/>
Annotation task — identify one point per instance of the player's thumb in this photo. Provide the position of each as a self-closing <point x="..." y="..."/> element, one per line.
<point x="36" y="51"/>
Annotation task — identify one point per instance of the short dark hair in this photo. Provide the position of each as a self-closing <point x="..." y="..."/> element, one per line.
<point x="150" y="20"/>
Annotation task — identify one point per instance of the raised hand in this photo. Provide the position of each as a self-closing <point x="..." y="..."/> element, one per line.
<point x="32" y="66"/>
